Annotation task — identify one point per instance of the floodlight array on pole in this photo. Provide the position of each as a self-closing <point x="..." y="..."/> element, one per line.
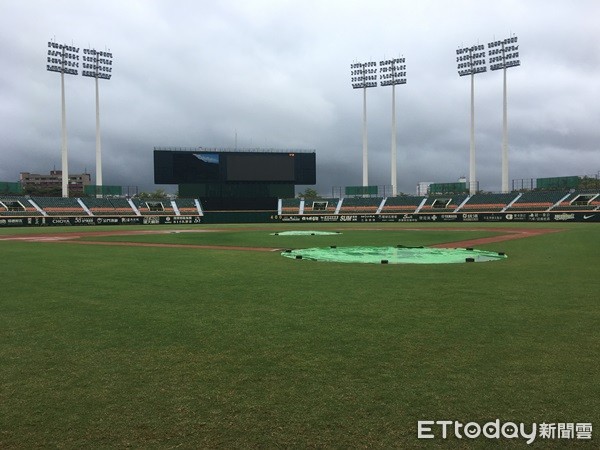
<point x="363" y="76"/>
<point x="391" y="73"/>
<point x="63" y="59"/>
<point x="504" y="54"/>
<point x="97" y="64"/>
<point x="471" y="60"/>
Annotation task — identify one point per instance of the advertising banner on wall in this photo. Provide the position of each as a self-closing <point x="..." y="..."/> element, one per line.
<point x="592" y="216"/>
<point x="239" y="217"/>
<point x="83" y="221"/>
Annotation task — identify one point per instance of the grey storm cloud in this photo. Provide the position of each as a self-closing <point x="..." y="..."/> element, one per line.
<point x="276" y="74"/>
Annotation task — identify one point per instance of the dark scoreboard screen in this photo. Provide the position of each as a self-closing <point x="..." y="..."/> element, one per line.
<point x="180" y="167"/>
<point x="261" y="167"/>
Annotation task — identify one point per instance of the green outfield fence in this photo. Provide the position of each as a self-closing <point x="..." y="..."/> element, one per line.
<point x="7" y="187"/>
<point x="361" y="190"/>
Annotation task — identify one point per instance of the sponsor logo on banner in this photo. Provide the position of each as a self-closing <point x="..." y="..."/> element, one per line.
<point x="470" y="217"/>
<point x="565" y="217"/>
<point x="84" y="221"/>
<point x="449" y="217"/>
<point x="491" y="217"/>
<point x="407" y="218"/>
<point x="60" y="221"/>
<point x="181" y="220"/>
<point x="126" y="220"/>
<point x="108" y="220"/>
<point x="151" y="220"/>
<point x="11" y="222"/>
<point x="517" y="217"/>
<point x="539" y="217"/>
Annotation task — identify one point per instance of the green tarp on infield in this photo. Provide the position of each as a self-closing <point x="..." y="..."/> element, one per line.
<point x="394" y="255"/>
<point x="305" y="233"/>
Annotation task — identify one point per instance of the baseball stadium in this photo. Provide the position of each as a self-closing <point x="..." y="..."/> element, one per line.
<point x="239" y="315"/>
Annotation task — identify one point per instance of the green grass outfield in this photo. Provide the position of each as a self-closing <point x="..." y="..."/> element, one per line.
<point x="150" y="347"/>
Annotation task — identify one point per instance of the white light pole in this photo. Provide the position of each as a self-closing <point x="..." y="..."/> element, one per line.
<point x="504" y="54"/>
<point x="391" y="73"/>
<point x="97" y="64"/>
<point x="471" y="60"/>
<point x="363" y="76"/>
<point x="63" y="59"/>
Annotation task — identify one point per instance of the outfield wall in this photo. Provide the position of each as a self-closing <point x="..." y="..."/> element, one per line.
<point x="222" y="217"/>
<point x="452" y="217"/>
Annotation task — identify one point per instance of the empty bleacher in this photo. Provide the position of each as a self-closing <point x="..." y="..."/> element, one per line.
<point x="60" y="206"/>
<point x="537" y="201"/>
<point x="402" y="204"/>
<point x="290" y="206"/>
<point x="321" y="206"/>
<point x="579" y="201"/>
<point x="108" y="206"/>
<point x="360" y="205"/>
<point x="443" y="203"/>
<point x="488" y="202"/>
<point x="530" y="201"/>
<point x="122" y="206"/>
<point x="17" y="206"/>
<point x="154" y="206"/>
<point x="186" y="206"/>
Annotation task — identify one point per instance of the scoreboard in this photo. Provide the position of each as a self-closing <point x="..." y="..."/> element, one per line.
<point x="184" y="166"/>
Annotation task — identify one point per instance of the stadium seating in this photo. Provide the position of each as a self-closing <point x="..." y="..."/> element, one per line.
<point x="186" y="206"/>
<point x="108" y="206"/>
<point x="579" y="201"/>
<point x="161" y="206"/>
<point x="537" y="201"/>
<point x="488" y="202"/>
<point x="290" y="206"/>
<point x="314" y="206"/>
<point x="403" y="204"/>
<point x="17" y="206"/>
<point x="443" y="203"/>
<point x="122" y="206"/>
<point x="531" y="201"/>
<point x="100" y="206"/>
<point x="60" y="206"/>
<point x="360" y="205"/>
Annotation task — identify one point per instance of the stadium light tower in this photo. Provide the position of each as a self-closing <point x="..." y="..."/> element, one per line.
<point x="63" y="59"/>
<point x="471" y="60"/>
<point x="504" y="54"/>
<point x="363" y="76"/>
<point x="391" y="73"/>
<point x="97" y="64"/>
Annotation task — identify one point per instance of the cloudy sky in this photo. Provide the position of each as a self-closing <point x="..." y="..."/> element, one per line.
<point x="276" y="74"/>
